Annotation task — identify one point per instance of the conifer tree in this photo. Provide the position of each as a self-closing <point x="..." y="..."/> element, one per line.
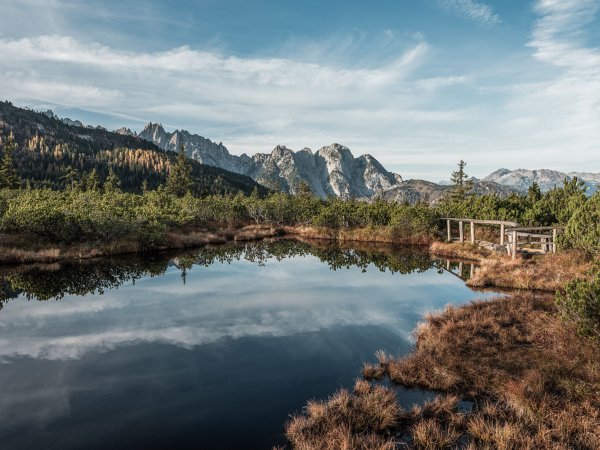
<point x="112" y="182"/>
<point x="462" y="185"/>
<point x="8" y="175"/>
<point x="91" y="181"/>
<point x="179" y="181"/>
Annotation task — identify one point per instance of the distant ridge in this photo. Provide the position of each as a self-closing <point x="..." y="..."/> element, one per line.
<point x="54" y="150"/>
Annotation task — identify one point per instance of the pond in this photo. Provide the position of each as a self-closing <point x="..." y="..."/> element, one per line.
<point x="213" y="348"/>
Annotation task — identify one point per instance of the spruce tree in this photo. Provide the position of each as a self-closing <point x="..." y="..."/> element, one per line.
<point x="91" y="181"/>
<point x="8" y="175"/>
<point x="179" y="181"/>
<point x="112" y="182"/>
<point x="459" y="179"/>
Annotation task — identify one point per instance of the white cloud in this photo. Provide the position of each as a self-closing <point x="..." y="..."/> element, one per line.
<point x="392" y="94"/>
<point x="470" y="9"/>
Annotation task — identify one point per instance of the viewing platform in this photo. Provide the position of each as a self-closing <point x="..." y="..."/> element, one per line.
<point x="513" y="238"/>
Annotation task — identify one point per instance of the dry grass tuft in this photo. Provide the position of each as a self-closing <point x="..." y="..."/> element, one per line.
<point x="386" y="235"/>
<point x="544" y="272"/>
<point x="361" y="420"/>
<point x="256" y="232"/>
<point x="457" y="250"/>
<point x="534" y="384"/>
<point x="15" y="255"/>
<point x="433" y="435"/>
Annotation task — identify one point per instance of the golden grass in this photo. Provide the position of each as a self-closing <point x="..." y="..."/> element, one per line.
<point x="256" y="232"/>
<point x="457" y="250"/>
<point x="386" y="235"/>
<point x="16" y="255"/>
<point x="358" y="420"/>
<point x="547" y="272"/>
<point x="544" y="272"/>
<point x="534" y="383"/>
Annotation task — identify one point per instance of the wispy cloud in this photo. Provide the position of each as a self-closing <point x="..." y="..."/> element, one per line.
<point x="280" y="100"/>
<point x="471" y="9"/>
<point x="564" y="106"/>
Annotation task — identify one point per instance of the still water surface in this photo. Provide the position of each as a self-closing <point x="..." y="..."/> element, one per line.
<point x="209" y="349"/>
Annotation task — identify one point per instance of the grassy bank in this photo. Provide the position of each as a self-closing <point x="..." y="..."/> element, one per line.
<point x="540" y="272"/>
<point x="534" y="383"/>
<point x="23" y="248"/>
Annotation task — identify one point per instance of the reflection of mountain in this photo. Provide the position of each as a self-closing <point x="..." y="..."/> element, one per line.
<point x="88" y="277"/>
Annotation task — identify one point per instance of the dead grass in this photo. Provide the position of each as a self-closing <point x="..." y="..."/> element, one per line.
<point x="457" y="250"/>
<point x="387" y="235"/>
<point x="534" y="383"/>
<point x="540" y="272"/>
<point x="16" y="255"/>
<point x="358" y="420"/>
<point x="192" y="239"/>
<point x="257" y="232"/>
<point x="543" y="272"/>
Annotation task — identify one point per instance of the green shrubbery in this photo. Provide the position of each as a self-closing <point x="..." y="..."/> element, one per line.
<point x="580" y="302"/>
<point x="94" y="215"/>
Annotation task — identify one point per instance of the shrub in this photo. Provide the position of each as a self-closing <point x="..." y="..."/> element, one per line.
<point x="583" y="228"/>
<point x="580" y="302"/>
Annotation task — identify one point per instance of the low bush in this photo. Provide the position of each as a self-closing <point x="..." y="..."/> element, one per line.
<point x="580" y="302"/>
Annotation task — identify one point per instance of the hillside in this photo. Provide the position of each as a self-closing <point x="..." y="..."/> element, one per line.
<point x="52" y="152"/>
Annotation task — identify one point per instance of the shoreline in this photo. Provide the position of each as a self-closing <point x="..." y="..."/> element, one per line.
<point x="23" y="249"/>
<point x="543" y="273"/>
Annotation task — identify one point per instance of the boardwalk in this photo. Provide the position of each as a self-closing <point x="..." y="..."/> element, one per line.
<point x="512" y="237"/>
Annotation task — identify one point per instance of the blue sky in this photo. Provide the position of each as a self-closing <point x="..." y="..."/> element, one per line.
<point x="419" y="84"/>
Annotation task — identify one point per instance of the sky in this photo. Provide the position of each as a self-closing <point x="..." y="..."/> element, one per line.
<point x="419" y="84"/>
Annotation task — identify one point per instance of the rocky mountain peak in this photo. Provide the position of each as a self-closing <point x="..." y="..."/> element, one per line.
<point x="123" y="131"/>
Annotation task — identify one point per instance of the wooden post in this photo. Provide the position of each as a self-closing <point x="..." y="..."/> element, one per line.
<point x="460" y="268"/>
<point x="509" y="246"/>
<point x="514" y="245"/>
<point x="461" y="232"/>
<point x="554" y="233"/>
<point x="449" y="230"/>
<point x="448" y="265"/>
<point x="501" y="234"/>
<point x="472" y="270"/>
<point x="472" y="232"/>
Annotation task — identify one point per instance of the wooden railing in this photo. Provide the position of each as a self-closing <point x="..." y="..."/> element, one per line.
<point x="510" y="230"/>
<point x="547" y="242"/>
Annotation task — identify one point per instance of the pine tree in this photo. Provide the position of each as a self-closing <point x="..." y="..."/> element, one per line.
<point x="534" y="193"/>
<point x="179" y="181"/>
<point x="71" y="178"/>
<point x="462" y="185"/>
<point x="8" y="176"/>
<point x="112" y="182"/>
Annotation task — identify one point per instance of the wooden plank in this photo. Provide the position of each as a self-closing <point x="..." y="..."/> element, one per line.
<point x="514" y="245"/>
<point x="535" y="228"/>
<point x="483" y="222"/>
<point x="533" y="235"/>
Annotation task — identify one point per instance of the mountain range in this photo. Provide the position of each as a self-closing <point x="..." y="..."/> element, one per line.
<point x="52" y="152"/>
<point x="329" y="171"/>
<point x="333" y="170"/>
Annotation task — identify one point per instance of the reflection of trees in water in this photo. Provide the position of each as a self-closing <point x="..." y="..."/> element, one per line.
<point x="80" y="278"/>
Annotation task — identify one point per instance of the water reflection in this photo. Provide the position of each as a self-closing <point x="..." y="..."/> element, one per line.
<point x="212" y="348"/>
